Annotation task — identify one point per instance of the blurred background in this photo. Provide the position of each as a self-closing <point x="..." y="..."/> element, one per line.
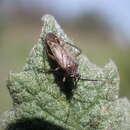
<point x="101" y="28"/>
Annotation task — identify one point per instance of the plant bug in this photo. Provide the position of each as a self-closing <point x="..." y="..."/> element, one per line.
<point x="56" y="50"/>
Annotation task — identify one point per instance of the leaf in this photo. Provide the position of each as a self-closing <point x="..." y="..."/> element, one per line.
<point x="44" y="101"/>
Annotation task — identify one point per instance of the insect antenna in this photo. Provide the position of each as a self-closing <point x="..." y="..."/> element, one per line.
<point x="90" y="79"/>
<point x="103" y="80"/>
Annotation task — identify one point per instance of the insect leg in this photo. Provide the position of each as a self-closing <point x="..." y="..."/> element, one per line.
<point x="79" y="50"/>
<point x="76" y="81"/>
<point x="53" y="70"/>
<point x="64" y="78"/>
<point x="56" y="69"/>
<point x="51" y="56"/>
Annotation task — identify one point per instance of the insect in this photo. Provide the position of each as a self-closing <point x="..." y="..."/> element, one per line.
<point x="57" y="52"/>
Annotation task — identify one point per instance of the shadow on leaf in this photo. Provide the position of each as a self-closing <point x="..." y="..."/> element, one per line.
<point x="66" y="87"/>
<point x="33" y="124"/>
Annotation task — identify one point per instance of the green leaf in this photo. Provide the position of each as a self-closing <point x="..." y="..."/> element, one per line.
<point x="42" y="101"/>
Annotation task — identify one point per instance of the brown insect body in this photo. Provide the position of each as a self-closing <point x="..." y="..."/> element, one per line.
<point x="57" y="52"/>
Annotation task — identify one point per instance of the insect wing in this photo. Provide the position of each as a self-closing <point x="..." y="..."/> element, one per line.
<point x="62" y="57"/>
<point x="50" y="37"/>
